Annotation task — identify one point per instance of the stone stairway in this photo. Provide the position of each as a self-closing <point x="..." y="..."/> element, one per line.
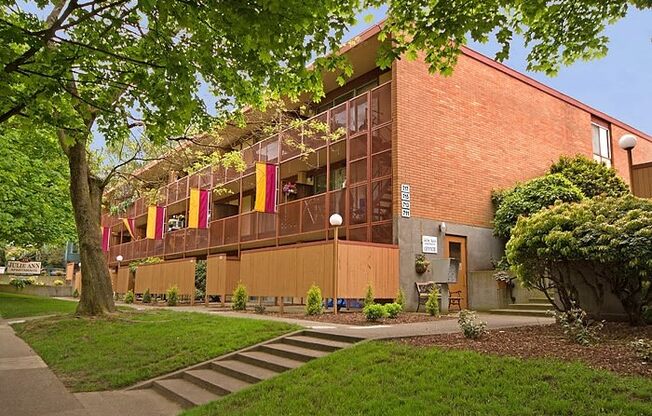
<point x="533" y="307"/>
<point x="236" y="371"/>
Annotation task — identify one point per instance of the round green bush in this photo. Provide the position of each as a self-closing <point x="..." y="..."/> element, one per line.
<point x="591" y="177"/>
<point x="314" y="301"/>
<point x="374" y="312"/>
<point x="239" y="298"/>
<point x="393" y="309"/>
<point x="173" y="296"/>
<point x="129" y="297"/>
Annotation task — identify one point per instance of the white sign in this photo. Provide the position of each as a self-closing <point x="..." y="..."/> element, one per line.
<point x="2" y="269"/>
<point x="429" y="244"/>
<point x="23" y="267"/>
<point x="405" y="200"/>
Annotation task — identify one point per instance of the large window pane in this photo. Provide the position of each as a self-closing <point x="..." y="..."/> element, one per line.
<point x="358" y="204"/>
<point x="358" y="234"/>
<point x="358" y="171"/>
<point x="381" y="105"/>
<point x="382" y="233"/>
<point x="358" y="147"/>
<point x="381" y="139"/>
<point x="381" y="164"/>
<point x="358" y="115"/>
<point x="381" y="197"/>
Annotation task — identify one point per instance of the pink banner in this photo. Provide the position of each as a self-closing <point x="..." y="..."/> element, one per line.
<point x="160" y="223"/>
<point x="106" y="238"/>
<point x="203" y="209"/>
<point x="270" y="188"/>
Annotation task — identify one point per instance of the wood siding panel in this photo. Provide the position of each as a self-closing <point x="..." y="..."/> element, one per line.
<point x="122" y="281"/>
<point x="158" y="278"/>
<point x="642" y="181"/>
<point x="361" y="265"/>
<point x="222" y="275"/>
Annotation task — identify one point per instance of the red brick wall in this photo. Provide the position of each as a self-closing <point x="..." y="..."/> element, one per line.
<point x="459" y="137"/>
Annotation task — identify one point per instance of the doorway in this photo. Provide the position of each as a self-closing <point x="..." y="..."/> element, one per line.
<point x="455" y="247"/>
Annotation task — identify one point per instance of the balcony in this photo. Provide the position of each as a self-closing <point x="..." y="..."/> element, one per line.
<point x="362" y="193"/>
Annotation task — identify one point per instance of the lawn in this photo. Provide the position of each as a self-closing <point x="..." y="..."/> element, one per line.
<point x="19" y="306"/>
<point x="397" y="379"/>
<point x="90" y="354"/>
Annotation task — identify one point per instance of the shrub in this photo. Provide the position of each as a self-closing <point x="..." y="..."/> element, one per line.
<point x="149" y="260"/>
<point x="393" y="309"/>
<point x="75" y="294"/>
<point x="605" y="243"/>
<point x="591" y="177"/>
<point x="578" y="327"/>
<point x="129" y="297"/>
<point x="19" y="283"/>
<point x="259" y="308"/>
<point x="58" y="282"/>
<point x="147" y="297"/>
<point x="530" y="197"/>
<point x="314" y="301"/>
<point x="432" y="304"/>
<point x="643" y="349"/>
<point x="369" y="296"/>
<point x="472" y="328"/>
<point x="200" y="276"/>
<point x="400" y="298"/>
<point x="172" y="296"/>
<point x="374" y="312"/>
<point x="239" y="298"/>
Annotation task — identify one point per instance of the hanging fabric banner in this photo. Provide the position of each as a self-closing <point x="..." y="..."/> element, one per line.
<point x="265" y="188"/>
<point x="155" y="222"/>
<point x="106" y="238"/>
<point x="130" y="225"/>
<point x="198" y="210"/>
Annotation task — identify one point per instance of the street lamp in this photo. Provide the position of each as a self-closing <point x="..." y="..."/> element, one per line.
<point x="335" y="221"/>
<point x="628" y="142"/>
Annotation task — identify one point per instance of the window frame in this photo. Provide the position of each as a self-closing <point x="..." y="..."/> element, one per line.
<point x="597" y="154"/>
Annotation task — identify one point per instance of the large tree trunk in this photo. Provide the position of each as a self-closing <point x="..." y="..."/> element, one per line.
<point x="86" y="193"/>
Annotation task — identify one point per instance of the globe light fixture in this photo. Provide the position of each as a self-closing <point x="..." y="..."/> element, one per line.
<point x="119" y="258"/>
<point x="335" y="220"/>
<point x="627" y="142"/>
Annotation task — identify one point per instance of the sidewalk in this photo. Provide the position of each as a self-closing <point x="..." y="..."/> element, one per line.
<point x="27" y="386"/>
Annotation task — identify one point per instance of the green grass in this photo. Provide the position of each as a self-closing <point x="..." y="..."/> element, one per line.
<point x="91" y="354"/>
<point x="19" y="306"/>
<point x="394" y="379"/>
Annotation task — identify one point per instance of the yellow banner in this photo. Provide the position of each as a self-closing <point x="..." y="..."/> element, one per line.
<point x="261" y="187"/>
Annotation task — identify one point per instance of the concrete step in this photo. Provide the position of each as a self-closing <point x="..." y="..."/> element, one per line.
<point x="267" y="360"/>
<point x="241" y="370"/>
<point x="519" y="312"/>
<point x="292" y="352"/>
<point x="214" y="381"/>
<point x="542" y="299"/>
<point x="184" y="392"/>
<point x="334" y="337"/>
<point x="531" y="306"/>
<point x="313" y="343"/>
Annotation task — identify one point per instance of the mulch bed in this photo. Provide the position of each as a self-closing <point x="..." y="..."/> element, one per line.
<point x="357" y="318"/>
<point x="613" y="352"/>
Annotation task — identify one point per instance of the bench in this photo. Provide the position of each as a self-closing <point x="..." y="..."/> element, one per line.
<point x="455" y="298"/>
<point x="425" y="288"/>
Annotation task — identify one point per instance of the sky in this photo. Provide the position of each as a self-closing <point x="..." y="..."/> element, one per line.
<point x="619" y="85"/>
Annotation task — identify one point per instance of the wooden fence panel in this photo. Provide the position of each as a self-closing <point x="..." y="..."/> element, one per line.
<point x="222" y="275"/>
<point x="360" y="265"/>
<point x="158" y="278"/>
<point x="122" y="281"/>
<point x="642" y="180"/>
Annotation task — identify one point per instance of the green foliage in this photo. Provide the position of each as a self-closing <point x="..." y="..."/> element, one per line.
<point x="260" y="308"/>
<point x="592" y="178"/>
<point x="239" y="298"/>
<point x="400" y="298"/>
<point x="21" y="283"/>
<point x="432" y="304"/>
<point x="421" y="264"/>
<point x="314" y="301"/>
<point x="172" y="296"/>
<point x="374" y="312"/>
<point x="200" y="275"/>
<point x="129" y="297"/>
<point x="34" y="192"/>
<point x="472" y="328"/>
<point x="369" y="296"/>
<point x="577" y="326"/>
<point x="75" y="293"/>
<point x="58" y="282"/>
<point x="149" y="260"/>
<point x="530" y="197"/>
<point x="393" y="309"/>
<point x="147" y="297"/>
<point x="604" y="242"/>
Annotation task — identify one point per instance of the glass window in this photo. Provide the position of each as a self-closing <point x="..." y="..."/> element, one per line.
<point x="601" y="145"/>
<point x="358" y="171"/>
<point x="338" y="176"/>
<point x="358" y="204"/>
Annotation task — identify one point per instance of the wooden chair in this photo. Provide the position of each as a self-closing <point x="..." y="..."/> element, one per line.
<point x="423" y="291"/>
<point x="455" y="298"/>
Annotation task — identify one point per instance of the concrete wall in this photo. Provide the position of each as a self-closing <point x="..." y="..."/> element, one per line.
<point x="48" y="291"/>
<point x="47" y="280"/>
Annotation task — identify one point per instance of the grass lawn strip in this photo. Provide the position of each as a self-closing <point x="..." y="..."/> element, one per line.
<point x="390" y="378"/>
<point x="90" y="354"/>
<point x="21" y="306"/>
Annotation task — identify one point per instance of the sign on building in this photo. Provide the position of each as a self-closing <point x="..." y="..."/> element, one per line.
<point x="23" y="267"/>
<point x="429" y="244"/>
<point x="405" y="201"/>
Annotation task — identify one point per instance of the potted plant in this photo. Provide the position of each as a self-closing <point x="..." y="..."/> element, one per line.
<point x="505" y="281"/>
<point x="421" y="264"/>
<point x="290" y="190"/>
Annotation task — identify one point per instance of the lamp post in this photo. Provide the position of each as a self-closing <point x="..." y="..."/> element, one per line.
<point x="119" y="258"/>
<point x="335" y="220"/>
<point x="628" y="142"/>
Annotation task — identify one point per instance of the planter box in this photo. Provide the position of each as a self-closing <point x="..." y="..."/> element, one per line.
<point x="47" y="291"/>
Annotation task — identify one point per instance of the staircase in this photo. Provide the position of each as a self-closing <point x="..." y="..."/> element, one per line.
<point x="231" y="373"/>
<point x="533" y="307"/>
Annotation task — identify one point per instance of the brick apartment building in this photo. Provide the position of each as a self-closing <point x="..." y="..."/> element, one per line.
<point x="420" y="158"/>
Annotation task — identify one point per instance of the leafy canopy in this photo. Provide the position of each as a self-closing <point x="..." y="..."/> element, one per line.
<point x="592" y="178"/>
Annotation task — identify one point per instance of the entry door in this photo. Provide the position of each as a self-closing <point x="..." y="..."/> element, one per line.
<point x="455" y="247"/>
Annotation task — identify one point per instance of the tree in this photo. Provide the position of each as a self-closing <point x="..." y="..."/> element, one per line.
<point x="592" y="178"/>
<point x="35" y="204"/>
<point x="600" y="243"/>
<point x="116" y="68"/>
